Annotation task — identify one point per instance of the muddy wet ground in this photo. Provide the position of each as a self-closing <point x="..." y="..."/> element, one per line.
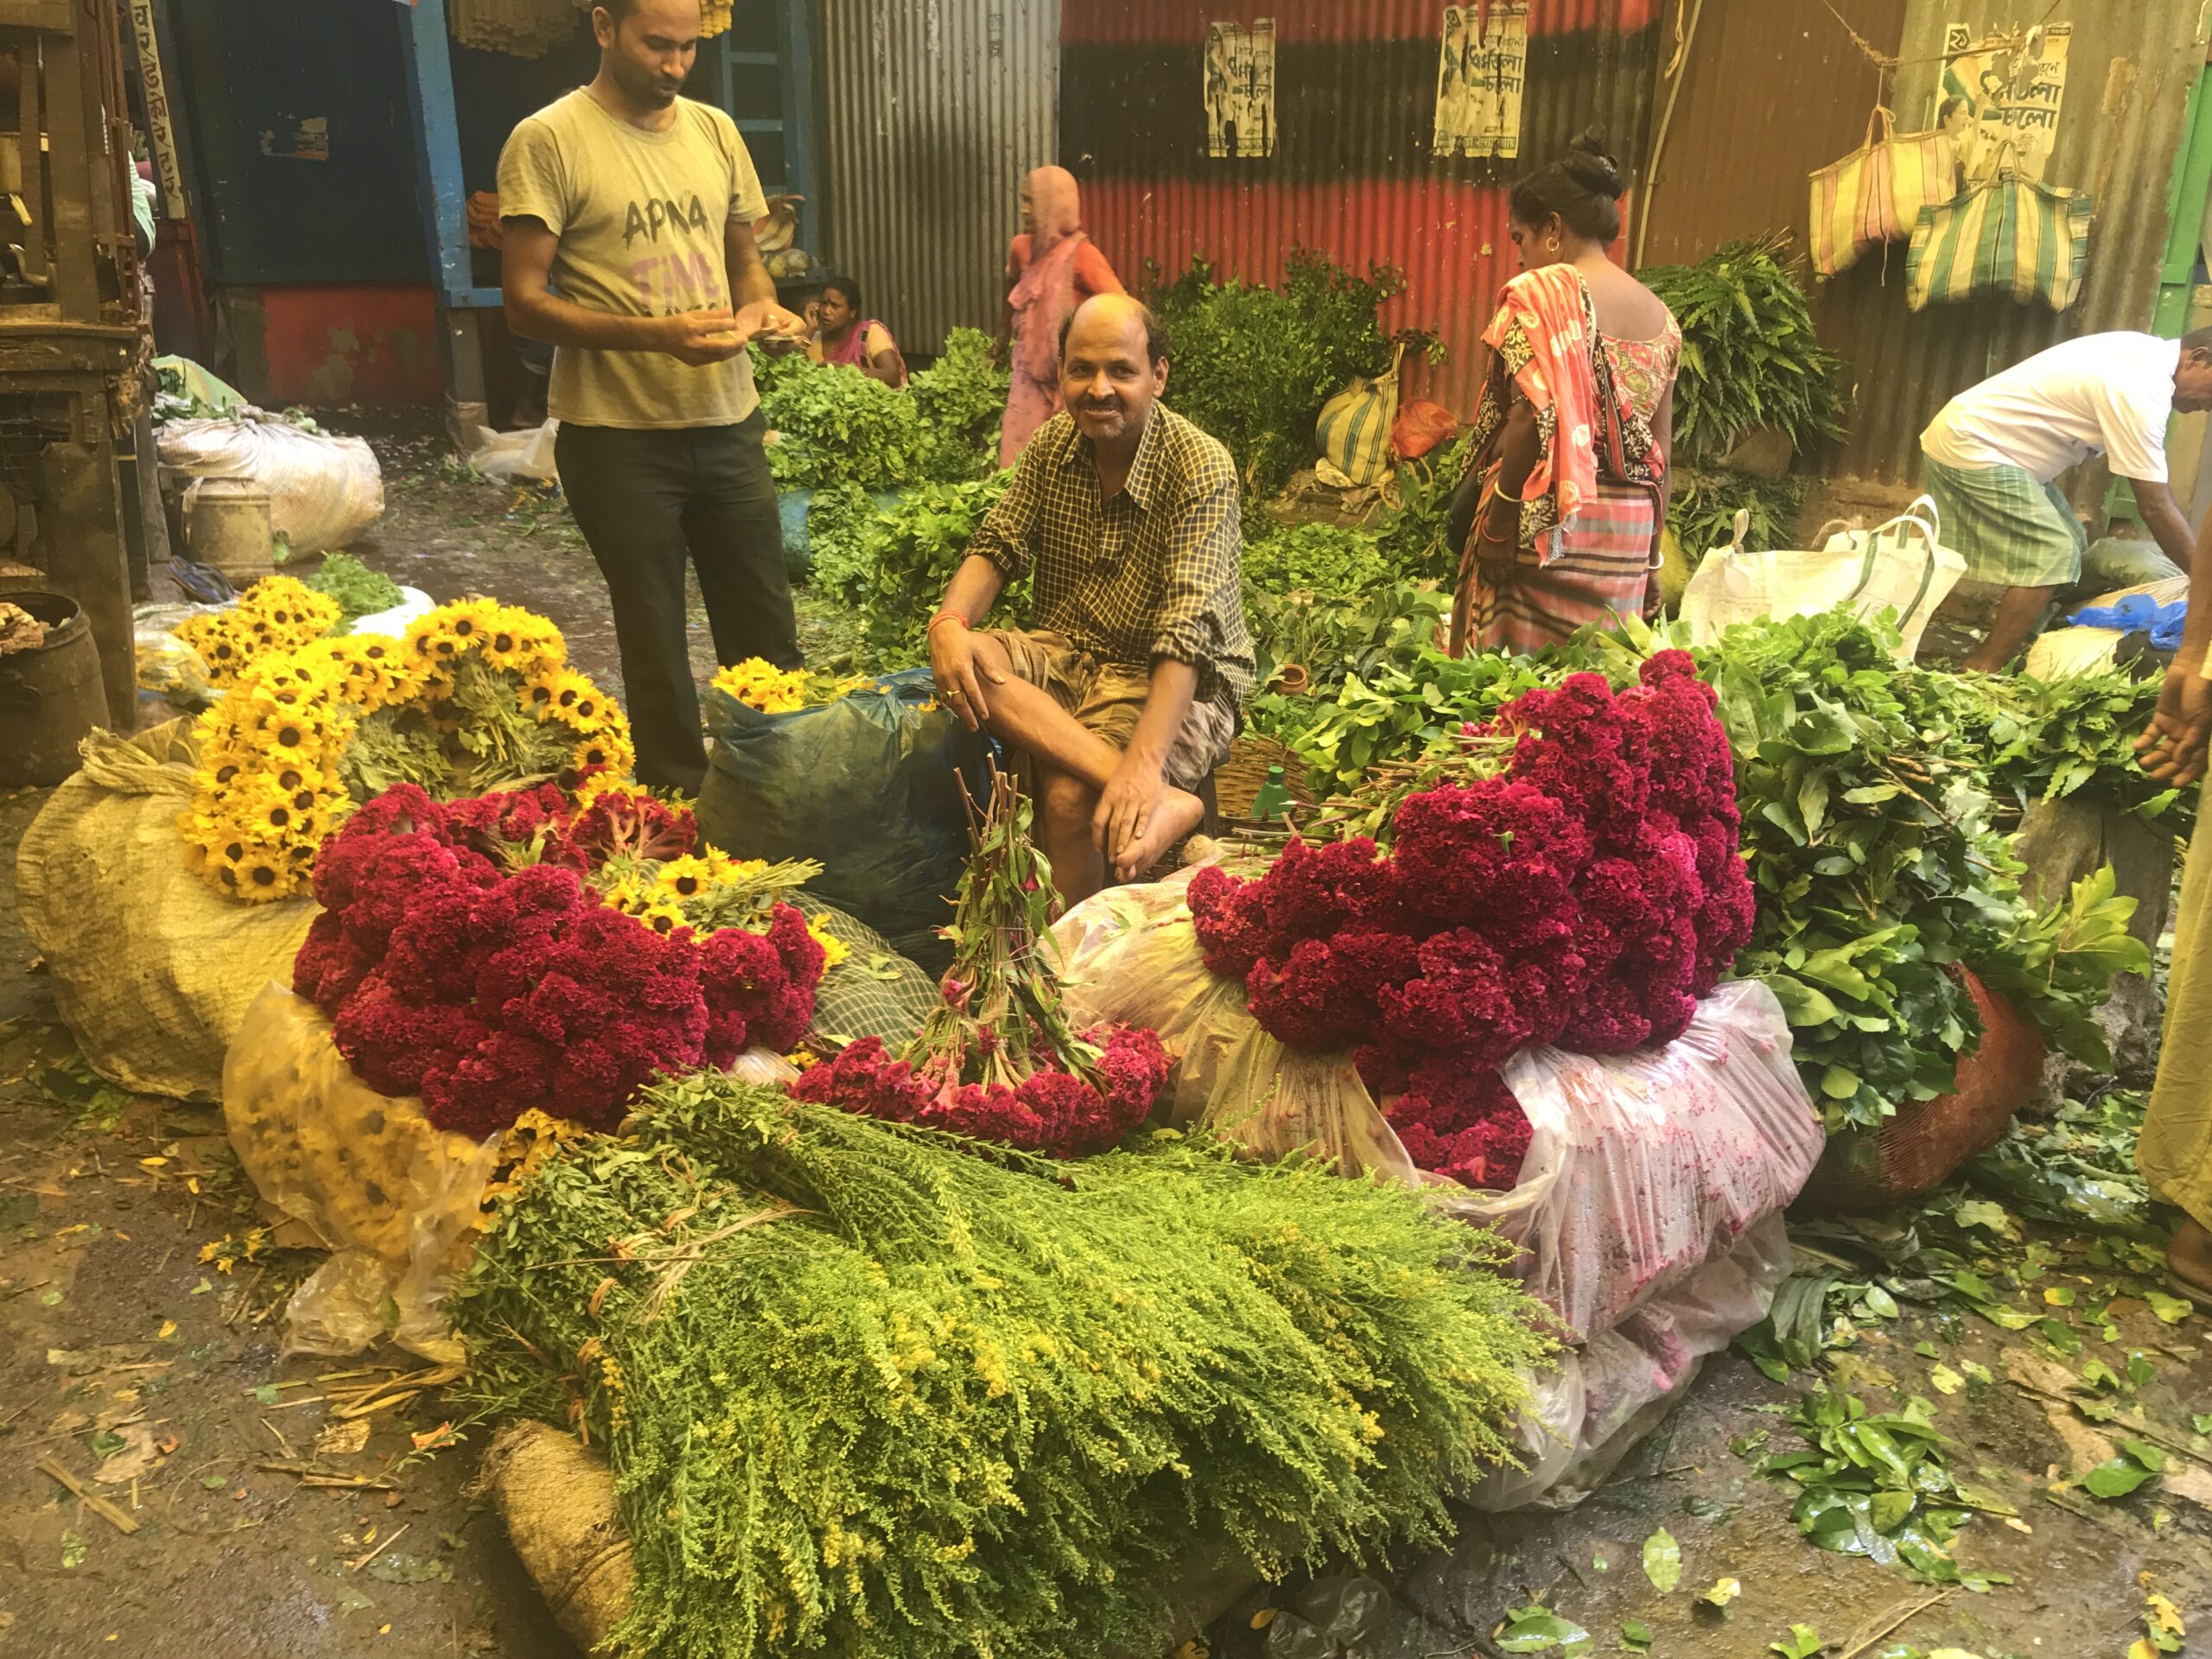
<point x="123" y="1355"/>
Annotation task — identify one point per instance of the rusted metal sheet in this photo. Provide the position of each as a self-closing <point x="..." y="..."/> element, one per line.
<point x="1352" y="174"/>
<point x="932" y="111"/>
<point x="1767" y="93"/>
<point x="2131" y="66"/>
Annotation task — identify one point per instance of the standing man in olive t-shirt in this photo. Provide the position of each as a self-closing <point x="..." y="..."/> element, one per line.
<point x="628" y="245"/>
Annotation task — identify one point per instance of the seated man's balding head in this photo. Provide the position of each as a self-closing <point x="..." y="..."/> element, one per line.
<point x="1123" y="318"/>
<point x="1113" y="367"/>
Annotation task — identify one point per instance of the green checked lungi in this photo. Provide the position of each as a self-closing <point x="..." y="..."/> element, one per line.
<point x="2010" y="528"/>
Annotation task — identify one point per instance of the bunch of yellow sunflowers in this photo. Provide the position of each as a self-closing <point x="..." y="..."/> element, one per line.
<point x="276" y="615"/>
<point x="478" y="693"/>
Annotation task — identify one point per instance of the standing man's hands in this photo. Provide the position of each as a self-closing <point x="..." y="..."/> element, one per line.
<point x="702" y="338"/>
<point x="2173" y="749"/>
<point x="768" y="322"/>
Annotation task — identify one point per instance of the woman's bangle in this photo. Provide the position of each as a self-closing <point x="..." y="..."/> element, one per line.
<point x="944" y="616"/>
<point x="1498" y="493"/>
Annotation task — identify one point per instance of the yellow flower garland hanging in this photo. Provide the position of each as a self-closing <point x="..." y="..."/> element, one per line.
<point x="478" y="692"/>
<point x="276" y="615"/>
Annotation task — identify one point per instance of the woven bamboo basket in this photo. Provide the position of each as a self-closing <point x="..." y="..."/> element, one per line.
<point x="1237" y="781"/>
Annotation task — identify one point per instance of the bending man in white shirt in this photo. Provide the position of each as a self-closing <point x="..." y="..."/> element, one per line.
<point x="1993" y="453"/>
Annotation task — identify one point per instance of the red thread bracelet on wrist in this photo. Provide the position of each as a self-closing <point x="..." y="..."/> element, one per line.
<point x="944" y="616"/>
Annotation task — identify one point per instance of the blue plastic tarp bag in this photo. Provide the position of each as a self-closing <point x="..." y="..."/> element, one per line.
<point x="867" y="786"/>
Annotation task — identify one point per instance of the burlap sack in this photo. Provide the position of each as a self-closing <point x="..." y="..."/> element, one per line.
<point x="397" y="1199"/>
<point x="557" y="1499"/>
<point x="153" y="968"/>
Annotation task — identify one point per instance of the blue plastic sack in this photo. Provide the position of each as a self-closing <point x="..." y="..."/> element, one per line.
<point x="795" y="507"/>
<point x="791" y="511"/>
<point x="866" y="786"/>
<point x="2136" y="614"/>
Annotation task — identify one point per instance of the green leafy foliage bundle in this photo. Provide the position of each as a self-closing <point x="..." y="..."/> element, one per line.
<point x="872" y="1391"/>
<point x="1702" y="504"/>
<point x="960" y="398"/>
<point x="358" y="590"/>
<point x="2050" y="740"/>
<point x="837" y="427"/>
<point x="1413" y="540"/>
<point x="1750" y="355"/>
<point x="891" y="565"/>
<point x="1252" y="364"/>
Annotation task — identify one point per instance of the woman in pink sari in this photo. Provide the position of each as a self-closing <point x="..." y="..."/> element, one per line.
<point x="1049" y="269"/>
<point x="1558" y="518"/>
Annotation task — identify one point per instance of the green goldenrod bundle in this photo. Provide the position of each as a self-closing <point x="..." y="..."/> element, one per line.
<point x="872" y="1390"/>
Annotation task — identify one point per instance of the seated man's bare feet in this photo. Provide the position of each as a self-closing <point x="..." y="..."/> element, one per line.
<point x="1175" y="817"/>
<point x="2188" y="1262"/>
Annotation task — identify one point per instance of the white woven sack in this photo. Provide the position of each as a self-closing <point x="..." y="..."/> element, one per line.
<point x="1900" y="566"/>
<point x="323" y="491"/>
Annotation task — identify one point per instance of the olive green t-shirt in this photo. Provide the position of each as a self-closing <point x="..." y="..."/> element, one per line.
<point x="641" y="218"/>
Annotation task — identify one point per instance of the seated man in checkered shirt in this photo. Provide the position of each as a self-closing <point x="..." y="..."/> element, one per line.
<point x="1124" y="696"/>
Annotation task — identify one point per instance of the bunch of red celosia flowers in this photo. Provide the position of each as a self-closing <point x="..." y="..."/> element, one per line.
<point x="1585" y="897"/>
<point x="997" y="1061"/>
<point x="461" y="957"/>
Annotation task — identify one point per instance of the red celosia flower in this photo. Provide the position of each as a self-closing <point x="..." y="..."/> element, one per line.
<point x="490" y="993"/>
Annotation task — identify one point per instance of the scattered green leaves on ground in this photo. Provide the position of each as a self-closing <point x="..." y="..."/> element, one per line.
<point x="1802" y="1642"/>
<point x="1539" y="1630"/>
<point x="1876" y="1485"/>
<point x="1663" y="1561"/>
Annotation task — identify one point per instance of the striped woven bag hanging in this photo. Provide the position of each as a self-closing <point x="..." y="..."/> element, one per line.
<point x="2010" y="235"/>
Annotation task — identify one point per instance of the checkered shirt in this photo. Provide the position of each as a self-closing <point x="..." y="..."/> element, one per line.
<point x="1155" y="572"/>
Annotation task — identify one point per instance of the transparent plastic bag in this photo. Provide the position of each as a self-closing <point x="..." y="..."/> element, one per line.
<point x="1640" y="1165"/>
<point x="1605" y="1398"/>
<point x="171" y="670"/>
<point x="396" y="1198"/>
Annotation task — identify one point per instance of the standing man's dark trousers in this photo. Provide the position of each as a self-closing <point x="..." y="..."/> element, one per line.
<point x="647" y="501"/>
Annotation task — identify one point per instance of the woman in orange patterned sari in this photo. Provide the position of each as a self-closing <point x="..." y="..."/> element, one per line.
<point x="1560" y="516"/>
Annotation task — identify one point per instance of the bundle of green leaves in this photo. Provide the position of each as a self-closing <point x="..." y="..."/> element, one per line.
<point x="358" y="590"/>
<point x="1702" y="504"/>
<point x="1413" y="540"/>
<point x="2050" y="740"/>
<point x="837" y="426"/>
<point x="960" y="398"/>
<point x="903" y="561"/>
<point x="1252" y="364"/>
<point x="1335" y="640"/>
<point x="872" y="1390"/>
<point x="1751" y="358"/>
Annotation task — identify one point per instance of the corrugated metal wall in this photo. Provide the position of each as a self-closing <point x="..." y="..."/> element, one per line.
<point x="2130" y="69"/>
<point x="1353" y="175"/>
<point x="932" y="111"/>
<point x="1732" y="166"/>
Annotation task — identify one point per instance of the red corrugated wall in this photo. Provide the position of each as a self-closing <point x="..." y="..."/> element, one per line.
<point x="1353" y="175"/>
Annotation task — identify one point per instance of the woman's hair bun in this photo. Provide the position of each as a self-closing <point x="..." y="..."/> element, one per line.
<point x="1589" y="165"/>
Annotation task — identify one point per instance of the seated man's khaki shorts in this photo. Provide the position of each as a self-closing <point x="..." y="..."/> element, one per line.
<point x="1107" y="698"/>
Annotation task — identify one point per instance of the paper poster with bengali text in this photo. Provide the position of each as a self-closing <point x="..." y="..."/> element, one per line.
<point x="1999" y="99"/>
<point x="1482" y="66"/>
<point x="1240" y="89"/>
